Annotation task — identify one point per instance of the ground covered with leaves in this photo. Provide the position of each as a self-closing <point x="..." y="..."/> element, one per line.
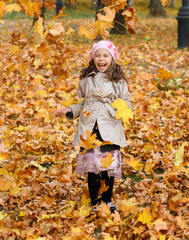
<point x="41" y="197"/>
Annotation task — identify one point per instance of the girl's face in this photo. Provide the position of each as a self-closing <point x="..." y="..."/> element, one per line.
<point x="102" y="59"/>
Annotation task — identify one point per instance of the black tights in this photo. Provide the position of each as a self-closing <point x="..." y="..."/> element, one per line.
<point x="94" y="184"/>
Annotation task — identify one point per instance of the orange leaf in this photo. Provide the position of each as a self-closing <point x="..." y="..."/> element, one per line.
<point x="106" y="162"/>
<point x="13" y="7"/>
<point x="130" y="19"/>
<point x="90" y="31"/>
<point x="39" y="26"/>
<point x="109" y="15"/>
<point x="164" y="74"/>
<point x="89" y="142"/>
<point x="103" y="187"/>
<point x="2" y="8"/>
<point x="149" y="166"/>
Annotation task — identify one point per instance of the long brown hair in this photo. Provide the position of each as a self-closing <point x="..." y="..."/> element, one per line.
<point x="114" y="73"/>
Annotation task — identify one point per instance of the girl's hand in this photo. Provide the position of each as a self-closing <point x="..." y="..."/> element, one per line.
<point x="61" y="112"/>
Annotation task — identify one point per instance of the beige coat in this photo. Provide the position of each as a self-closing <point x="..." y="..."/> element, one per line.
<point x="98" y="93"/>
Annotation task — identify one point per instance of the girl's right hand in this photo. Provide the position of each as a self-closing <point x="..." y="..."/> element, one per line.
<point x="61" y="112"/>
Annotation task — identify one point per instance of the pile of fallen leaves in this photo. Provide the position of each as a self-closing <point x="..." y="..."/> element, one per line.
<point x="41" y="197"/>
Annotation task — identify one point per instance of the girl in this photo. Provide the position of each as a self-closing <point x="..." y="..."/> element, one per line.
<point x="101" y="82"/>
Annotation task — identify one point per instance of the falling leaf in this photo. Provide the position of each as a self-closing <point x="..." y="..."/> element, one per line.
<point x="3" y="7"/>
<point x="89" y="142"/>
<point x="90" y="31"/>
<point x="103" y="187"/>
<point x="39" y="28"/>
<point x="13" y="7"/>
<point x="109" y="15"/>
<point x="123" y="110"/>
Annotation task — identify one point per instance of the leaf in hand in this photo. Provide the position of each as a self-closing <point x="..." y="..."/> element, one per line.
<point x="123" y="110"/>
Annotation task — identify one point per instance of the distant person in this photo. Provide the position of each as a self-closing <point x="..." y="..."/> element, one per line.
<point x="101" y="82"/>
<point x="59" y="6"/>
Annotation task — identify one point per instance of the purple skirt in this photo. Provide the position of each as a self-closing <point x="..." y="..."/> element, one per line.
<point x="92" y="162"/>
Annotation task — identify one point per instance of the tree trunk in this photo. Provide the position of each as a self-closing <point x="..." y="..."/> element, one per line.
<point x="94" y="4"/>
<point x="59" y="6"/>
<point x="119" y="24"/>
<point x="119" y="20"/>
<point x="35" y="18"/>
<point x="172" y="4"/>
<point x="157" y="9"/>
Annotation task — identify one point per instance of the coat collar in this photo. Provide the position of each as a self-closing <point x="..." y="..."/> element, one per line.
<point x="94" y="73"/>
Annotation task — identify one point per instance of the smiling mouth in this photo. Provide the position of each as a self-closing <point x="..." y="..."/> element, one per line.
<point x="101" y="65"/>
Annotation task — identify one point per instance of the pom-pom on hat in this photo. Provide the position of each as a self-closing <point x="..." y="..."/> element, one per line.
<point x="108" y="45"/>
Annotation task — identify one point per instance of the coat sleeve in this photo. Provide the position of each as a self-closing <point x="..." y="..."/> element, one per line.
<point x="124" y="93"/>
<point x="77" y="108"/>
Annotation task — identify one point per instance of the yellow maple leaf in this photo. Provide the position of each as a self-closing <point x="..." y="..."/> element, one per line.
<point x="2" y="8"/>
<point x="134" y="163"/>
<point x="106" y="162"/>
<point x="84" y="200"/>
<point x="39" y="28"/>
<point x="109" y="15"/>
<point x="89" y="30"/>
<point x="83" y="211"/>
<point x="13" y="7"/>
<point x="123" y="110"/>
<point x="67" y="99"/>
<point x="162" y="237"/>
<point x="180" y="154"/>
<point x="89" y="142"/>
<point x="100" y="26"/>
<point x="145" y="217"/>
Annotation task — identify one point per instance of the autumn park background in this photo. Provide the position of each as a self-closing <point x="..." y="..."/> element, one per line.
<point x="41" y="197"/>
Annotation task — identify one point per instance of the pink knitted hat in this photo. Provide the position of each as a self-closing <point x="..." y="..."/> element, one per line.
<point x="108" y="45"/>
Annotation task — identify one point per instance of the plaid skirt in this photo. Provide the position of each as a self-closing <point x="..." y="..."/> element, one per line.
<point x="91" y="161"/>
